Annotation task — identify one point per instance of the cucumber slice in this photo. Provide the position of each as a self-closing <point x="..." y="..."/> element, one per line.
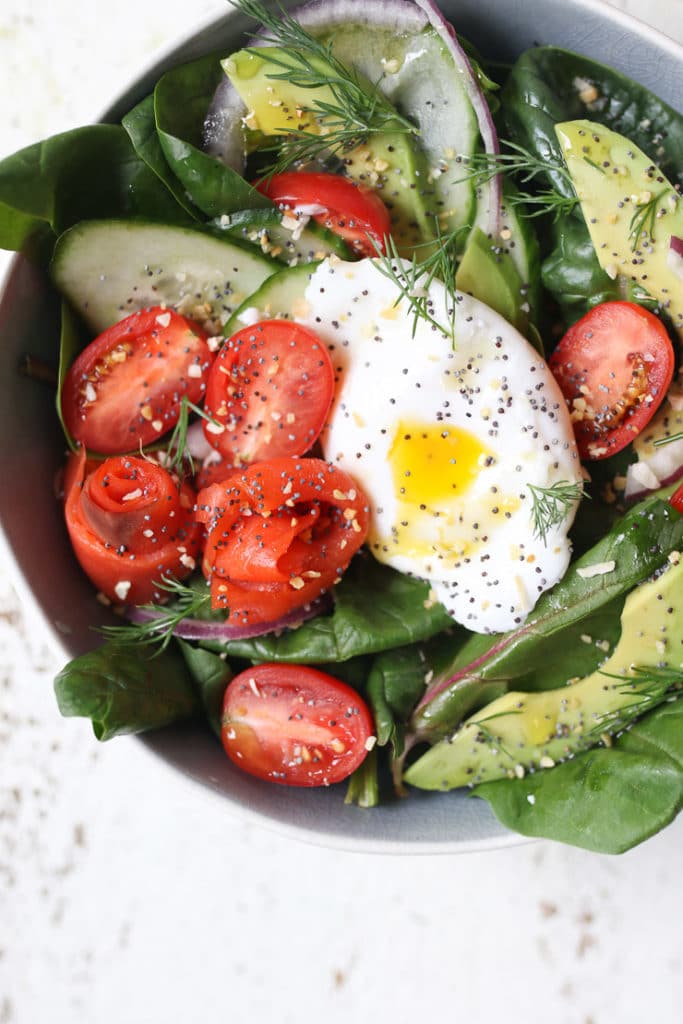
<point x="110" y="268"/>
<point x="281" y="297"/>
<point x="416" y="72"/>
<point x="264" y="229"/>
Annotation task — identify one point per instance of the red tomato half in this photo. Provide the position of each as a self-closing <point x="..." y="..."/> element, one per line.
<point x="125" y="388"/>
<point x="294" y="725"/>
<point x="676" y="499"/>
<point x="270" y="389"/>
<point x="130" y="523"/>
<point x="351" y="210"/>
<point x="614" y="367"/>
<point x="280" y="533"/>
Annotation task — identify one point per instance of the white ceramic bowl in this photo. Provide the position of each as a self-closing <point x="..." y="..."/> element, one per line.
<point x="46" y="573"/>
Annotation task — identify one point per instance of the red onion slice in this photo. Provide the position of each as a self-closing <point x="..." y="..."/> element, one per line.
<point x="674" y="257"/>
<point x="492" y="223"/>
<point x="199" y="629"/>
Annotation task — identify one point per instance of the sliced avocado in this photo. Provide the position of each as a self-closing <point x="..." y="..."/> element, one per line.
<point x="631" y="210"/>
<point x="276" y="106"/>
<point x="281" y="297"/>
<point x="487" y="272"/>
<point x="526" y="731"/>
<point x="391" y="163"/>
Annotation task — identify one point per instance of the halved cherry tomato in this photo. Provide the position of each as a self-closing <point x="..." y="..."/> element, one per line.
<point x="280" y="533"/>
<point x="614" y="367"/>
<point x="126" y="387"/>
<point x="295" y="725"/>
<point x="350" y="210"/>
<point x="270" y="389"/>
<point x="676" y="499"/>
<point x="131" y="523"/>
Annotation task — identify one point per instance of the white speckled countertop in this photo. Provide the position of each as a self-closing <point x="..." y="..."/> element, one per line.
<point x="127" y="895"/>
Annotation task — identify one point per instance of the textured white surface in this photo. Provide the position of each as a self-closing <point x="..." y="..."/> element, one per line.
<point x="127" y="895"/>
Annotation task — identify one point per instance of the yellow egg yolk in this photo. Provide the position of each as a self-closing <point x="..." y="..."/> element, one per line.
<point x="433" y="467"/>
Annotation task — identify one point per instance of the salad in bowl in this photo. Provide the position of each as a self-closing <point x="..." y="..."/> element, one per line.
<point x="371" y="424"/>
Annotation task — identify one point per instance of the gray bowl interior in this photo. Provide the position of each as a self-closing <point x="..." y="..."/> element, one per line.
<point x="32" y="454"/>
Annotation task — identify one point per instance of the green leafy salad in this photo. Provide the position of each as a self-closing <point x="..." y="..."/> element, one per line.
<point x="369" y="384"/>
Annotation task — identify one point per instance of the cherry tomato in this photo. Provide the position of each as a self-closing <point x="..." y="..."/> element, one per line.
<point x="130" y="523"/>
<point x="295" y="725"/>
<point x="280" y="533"/>
<point x="126" y="387"/>
<point x="614" y="367"/>
<point x="270" y="389"/>
<point x="676" y="499"/>
<point x="350" y="210"/>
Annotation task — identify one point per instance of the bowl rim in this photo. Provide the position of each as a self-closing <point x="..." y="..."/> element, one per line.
<point x="163" y="57"/>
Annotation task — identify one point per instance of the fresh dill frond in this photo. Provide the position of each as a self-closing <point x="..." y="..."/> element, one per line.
<point x="642" y="223"/>
<point x="548" y="201"/>
<point x="661" y="442"/>
<point x="649" y="685"/>
<point x="176" y="449"/>
<point x="358" y="109"/>
<point x="414" y="278"/>
<point x="514" y="159"/>
<point x="551" y="505"/>
<point x="164" y="619"/>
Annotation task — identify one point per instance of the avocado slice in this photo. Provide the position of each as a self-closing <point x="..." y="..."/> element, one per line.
<point x="389" y="162"/>
<point x="631" y="210"/>
<point x="526" y="731"/>
<point x="487" y="272"/>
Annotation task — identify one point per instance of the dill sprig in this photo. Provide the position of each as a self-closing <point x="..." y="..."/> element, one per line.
<point x="159" y="628"/>
<point x="356" y="110"/>
<point x="650" y="686"/>
<point x="642" y="223"/>
<point x="176" y="449"/>
<point x="547" y="201"/>
<point x="514" y="159"/>
<point x="662" y="441"/>
<point x="551" y="505"/>
<point x="413" y="278"/>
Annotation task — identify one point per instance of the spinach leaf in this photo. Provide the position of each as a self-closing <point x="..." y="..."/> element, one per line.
<point x="125" y="693"/>
<point x="638" y="544"/>
<point x="87" y="173"/>
<point x="71" y="342"/>
<point x="181" y="99"/>
<point x="607" y="799"/>
<point x="211" y="675"/>
<point x="546" y="85"/>
<point x="375" y="608"/>
<point x="140" y="125"/>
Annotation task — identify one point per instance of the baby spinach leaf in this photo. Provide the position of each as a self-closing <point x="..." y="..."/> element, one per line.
<point x="140" y="125"/>
<point x="375" y="608"/>
<point x="123" y="693"/>
<point x="71" y="342"/>
<point x="638" y="544"/>
<point x="87" y="173"/>
<point x="181" y="99"/>
<point x="607" y="799"/>
<point x="211" y="675"/>
<point x="548" y="84"/>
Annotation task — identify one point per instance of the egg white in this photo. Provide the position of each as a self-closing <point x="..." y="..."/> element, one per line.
<point x="482" y="420"/>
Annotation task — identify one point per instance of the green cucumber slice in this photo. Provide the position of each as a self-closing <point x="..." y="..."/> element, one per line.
<point x="416" y="72"/>
<point x="264" y="229"/>
<point x="110" y="268"/>
<point x="276" y="299"/>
